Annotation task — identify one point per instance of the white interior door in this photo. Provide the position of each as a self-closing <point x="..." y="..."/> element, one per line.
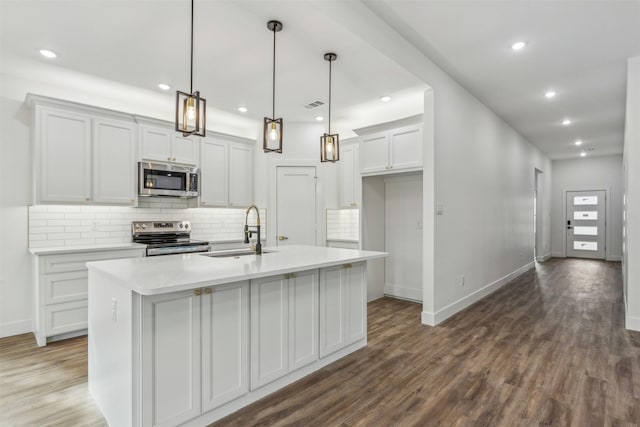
<point x="586" y="224"/>
<point x="296" y="205"/>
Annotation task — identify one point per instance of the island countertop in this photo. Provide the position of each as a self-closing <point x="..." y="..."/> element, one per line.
<point x="171" y="273"/>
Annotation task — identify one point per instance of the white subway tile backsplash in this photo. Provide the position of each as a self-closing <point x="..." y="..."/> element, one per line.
<point x="53" y="225"/>
<point x="343" y="224"/>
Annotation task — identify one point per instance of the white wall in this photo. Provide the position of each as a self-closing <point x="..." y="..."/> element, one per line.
<point x="15" y="262"/>
<point x="403" y="235"/>
<point x="631" y="238"/>
<point x="482" y="174"/>
<point x="589" y="173"/>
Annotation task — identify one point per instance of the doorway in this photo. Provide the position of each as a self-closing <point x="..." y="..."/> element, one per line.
<point x="585" y="224"/>
<point x="538" y="242"/>
<point x="296" y="209"/>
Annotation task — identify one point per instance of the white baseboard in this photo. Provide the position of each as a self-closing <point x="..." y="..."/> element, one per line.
<point x="632" y="323"/>
<point x="462" y="303"/>
<point x="403" y="292"/>
<point x="428" y="318"/>
<point x="544" y="257"/>
<point x="558" y="255"/>
<point x="15" y="328"/>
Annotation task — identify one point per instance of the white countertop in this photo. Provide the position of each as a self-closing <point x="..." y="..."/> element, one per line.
<point x="87" y="248"/>
<point x="171" y="273"/>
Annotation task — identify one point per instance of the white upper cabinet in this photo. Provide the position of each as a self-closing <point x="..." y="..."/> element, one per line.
<point x="405" y="145"/>
<point x="349" y="176"/>
<point x="114" y="162"/>
<point x="226" y="173"/>
<point x="82" y="157"/>
<point x="214" y="181"/>
<point x="63" y="156"/>
<point x="240" y="175"/>
<point x="164" y="144"/>
<point x="393" y="150"/>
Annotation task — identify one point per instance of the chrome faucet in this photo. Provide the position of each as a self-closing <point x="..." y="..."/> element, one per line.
<point x="248" y="233"/>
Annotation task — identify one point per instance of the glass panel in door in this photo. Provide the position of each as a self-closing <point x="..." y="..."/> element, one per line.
<point x="585" y="224"/>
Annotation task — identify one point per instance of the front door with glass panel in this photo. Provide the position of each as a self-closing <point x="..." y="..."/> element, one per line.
<point x="585" y="224"/>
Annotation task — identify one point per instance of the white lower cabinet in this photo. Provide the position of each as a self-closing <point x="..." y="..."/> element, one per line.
<point x="60" y="289"/>
<point x="194" y="352"/>
<point x="343" y="295"/>
<point x="284" y="325"/>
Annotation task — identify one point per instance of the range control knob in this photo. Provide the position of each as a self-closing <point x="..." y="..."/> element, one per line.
<point x="186" y="225"/>
<point x="137" y="226"/>
<point x="144" y="226"/>
<point x="181" y="225"/>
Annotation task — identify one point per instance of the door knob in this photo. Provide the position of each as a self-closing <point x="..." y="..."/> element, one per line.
<point x="283" y="238"/>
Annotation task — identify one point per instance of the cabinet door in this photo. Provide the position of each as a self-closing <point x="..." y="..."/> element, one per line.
<point x="185" y="149"/>
<point x="63" y="141"/>
<point x="155" y="143"/>
<point x="356" y="308"/>
<point x="332" y="310"/>
<point x="374" y="153"/>
<point x="406" y="147"/>
<point x="225" y="344"/>
<point x="269" y="331"/>
<point x="303" y="319"/>
<point x="114" y="162"/>
<point x="240" y="175"/>
<point x="170" y="358"/>
<point x="213" y="173"/>
<point x="348" y="173"/>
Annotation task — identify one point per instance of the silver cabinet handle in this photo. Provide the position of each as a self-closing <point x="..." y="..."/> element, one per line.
<point x="283" y="238"/>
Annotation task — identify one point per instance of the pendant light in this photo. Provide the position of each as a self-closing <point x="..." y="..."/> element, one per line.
<point x="191" y="109"/>
<point x="329" y="144"/>
<point x="272" y="126"/>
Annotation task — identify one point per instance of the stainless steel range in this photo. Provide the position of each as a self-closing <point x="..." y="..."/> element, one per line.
<point x="166" y="237"/>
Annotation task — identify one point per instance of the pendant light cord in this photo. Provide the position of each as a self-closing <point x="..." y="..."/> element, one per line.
<point x="273" y="81"/>
<point x="330" y="97"/>
<point x="191" y="77"/>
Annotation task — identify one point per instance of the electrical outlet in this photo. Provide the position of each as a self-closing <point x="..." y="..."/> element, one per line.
<point x="420" y="224"/>
<point x="462" y="280"/>
<point x="94" y="226"/>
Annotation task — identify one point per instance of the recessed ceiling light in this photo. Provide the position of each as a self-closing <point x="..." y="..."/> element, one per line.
<point x="583" y="153"/>
<point x="566" y="122"/>
<point x="319" y="118"/>
<point x="242" y="109"/>
<point x="48" y="53"/>
<point x="385" y="98"/>
<point x="578" y="142"/>
<point x="549" y="94"/>
<point x="518" y="45"/>
<point x="164" y="86"/>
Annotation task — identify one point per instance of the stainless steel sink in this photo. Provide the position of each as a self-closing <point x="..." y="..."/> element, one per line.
<point x="232" y="253"/>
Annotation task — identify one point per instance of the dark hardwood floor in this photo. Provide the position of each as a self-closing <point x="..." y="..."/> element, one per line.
<point x="550" y="348"/>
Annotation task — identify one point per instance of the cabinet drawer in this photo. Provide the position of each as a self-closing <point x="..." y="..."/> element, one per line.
<point x="63" y="287"/>
<point x="65" y="317"/>
<point x="76" y="262"/>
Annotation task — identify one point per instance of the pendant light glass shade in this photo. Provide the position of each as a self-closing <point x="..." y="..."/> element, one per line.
<point x="191" y="109"/>
<point x="272" y="126"/>
<point x="330" y="143"/>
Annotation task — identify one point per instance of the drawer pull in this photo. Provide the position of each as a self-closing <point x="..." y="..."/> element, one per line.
<point x="208" y="290"/>
<point x="198" y="292"/>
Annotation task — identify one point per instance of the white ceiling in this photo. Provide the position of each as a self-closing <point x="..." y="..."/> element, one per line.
<point x="578" y="48"/>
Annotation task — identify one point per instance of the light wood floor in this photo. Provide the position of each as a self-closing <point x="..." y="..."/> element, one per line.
<point x="548" y="349"/>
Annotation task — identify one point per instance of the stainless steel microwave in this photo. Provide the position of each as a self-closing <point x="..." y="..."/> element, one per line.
<point x="164" y="179"/>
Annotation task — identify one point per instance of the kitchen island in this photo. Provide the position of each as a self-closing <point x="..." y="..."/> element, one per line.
<point x="188" y="339"/>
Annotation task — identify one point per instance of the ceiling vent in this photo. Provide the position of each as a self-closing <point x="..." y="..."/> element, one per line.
<point x="313" y="104"/>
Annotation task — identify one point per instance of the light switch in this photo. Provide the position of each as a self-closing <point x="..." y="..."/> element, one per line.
<point x="114" y="309"/>
<point x="439" y="209"/>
